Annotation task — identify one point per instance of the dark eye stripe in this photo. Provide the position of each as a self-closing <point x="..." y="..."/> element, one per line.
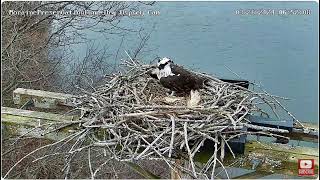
<point x="161" y="66"/>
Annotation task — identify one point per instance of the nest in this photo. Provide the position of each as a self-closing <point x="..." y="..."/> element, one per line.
<point x="131" y="118"/>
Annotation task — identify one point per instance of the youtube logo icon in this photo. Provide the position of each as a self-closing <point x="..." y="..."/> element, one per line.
<point x="306" y="167"/>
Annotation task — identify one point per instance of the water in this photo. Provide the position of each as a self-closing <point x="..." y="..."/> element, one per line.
<point x="279" y="52"/>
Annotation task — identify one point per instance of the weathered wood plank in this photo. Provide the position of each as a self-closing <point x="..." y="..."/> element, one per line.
<point x="11" y="129"/>
<point x="36" y="114"/>
<point x="41" y="99"/>
<point x="33" y="123"/>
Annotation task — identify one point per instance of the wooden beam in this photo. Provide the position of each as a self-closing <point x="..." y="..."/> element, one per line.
<point x="42" y="99"/>
<point x="36" y="115"/>
<point x="33" y="123"/>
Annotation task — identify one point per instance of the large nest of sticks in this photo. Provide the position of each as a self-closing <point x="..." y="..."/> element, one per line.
<point x="133" y="117"/>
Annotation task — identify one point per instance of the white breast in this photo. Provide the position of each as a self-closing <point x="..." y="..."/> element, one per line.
<point x="165" y="72"/>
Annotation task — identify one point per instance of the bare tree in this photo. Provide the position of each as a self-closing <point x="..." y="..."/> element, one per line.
<point x="86" y="72"/>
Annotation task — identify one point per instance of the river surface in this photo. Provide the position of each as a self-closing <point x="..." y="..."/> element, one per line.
<point x="278" y="51"/>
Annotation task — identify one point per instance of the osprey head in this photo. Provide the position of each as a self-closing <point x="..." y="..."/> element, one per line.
<point x="164" y="62"/>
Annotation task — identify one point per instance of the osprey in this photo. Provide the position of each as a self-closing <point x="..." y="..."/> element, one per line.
<point x="179" y="80"/>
